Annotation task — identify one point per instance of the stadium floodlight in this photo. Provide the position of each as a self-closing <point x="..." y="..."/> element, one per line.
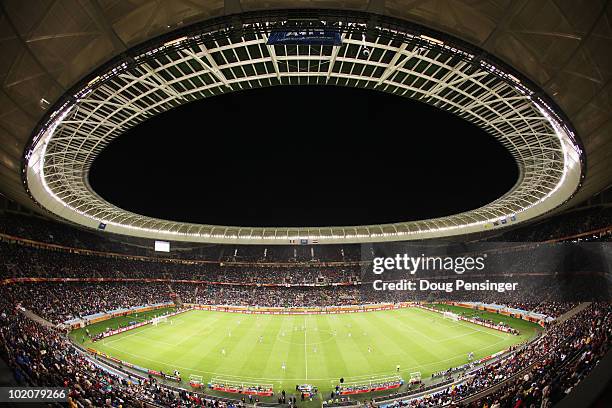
<point x="364" y="46"/>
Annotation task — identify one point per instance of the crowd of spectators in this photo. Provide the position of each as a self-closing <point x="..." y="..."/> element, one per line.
<point x="58" y="302"/>
<point x="566" y="354"/>
<point x="42" y="356"/>
<point x="538" y="375"/>
<point x="564" y="225"/>
<point x="42" y="230"/>
<point x="62" y="301"/>
<point x="50" y="232"/>
<point x="241" y="284"/>
<point x="552" y="291"/>
<point x="279" y="296"/>
<point x="548" y="308"/>
<point x="28" y="261"/>
<point x="568" y="224"/>
<point x="541" y="373"/>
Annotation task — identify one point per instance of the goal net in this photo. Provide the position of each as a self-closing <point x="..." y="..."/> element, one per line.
<point x="160" y="319"/>
<point x="451" y="316"/>
<point x="195" y="381"/>
<point x="415" y="377"/>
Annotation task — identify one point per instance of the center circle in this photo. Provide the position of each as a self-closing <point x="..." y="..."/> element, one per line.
<point x="286" y="336"/>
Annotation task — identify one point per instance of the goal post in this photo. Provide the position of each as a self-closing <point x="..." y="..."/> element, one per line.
<point x="196" y="381"/>
<point x="415" y="377"/>
<point x="451" y="316"/>
<point x="158" y="320"/>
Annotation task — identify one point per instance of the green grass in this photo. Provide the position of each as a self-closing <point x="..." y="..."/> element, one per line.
<point x="416" y="339"/>
<point x="116" y="322"/>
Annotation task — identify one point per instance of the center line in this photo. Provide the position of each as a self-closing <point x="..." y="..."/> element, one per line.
<point x="305" y="350"/>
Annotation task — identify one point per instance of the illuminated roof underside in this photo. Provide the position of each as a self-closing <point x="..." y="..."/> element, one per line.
<point x="211" y="62"/>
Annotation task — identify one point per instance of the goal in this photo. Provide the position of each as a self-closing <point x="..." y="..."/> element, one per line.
<point x="415" y="378"/>
<point x="160" y="319"/>
<point x="195" y="381"/>
<point x="451" y="316"/>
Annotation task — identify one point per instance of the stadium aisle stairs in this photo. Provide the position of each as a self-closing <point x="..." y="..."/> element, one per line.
<point x="33" y="316"/>
<point x="572" y="312"/>
<point x="177" y="300"/>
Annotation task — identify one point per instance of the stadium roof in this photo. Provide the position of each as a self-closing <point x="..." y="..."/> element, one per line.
<point x="51" y="47"/>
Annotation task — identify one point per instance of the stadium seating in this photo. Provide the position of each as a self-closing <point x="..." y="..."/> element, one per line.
<point x="72" y="283"/>
<point x="549" y="367"/>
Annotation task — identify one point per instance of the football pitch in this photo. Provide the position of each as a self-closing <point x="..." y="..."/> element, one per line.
<point x="285" y="350"/>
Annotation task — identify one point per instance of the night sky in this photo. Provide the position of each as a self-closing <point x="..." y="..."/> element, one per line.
<point x="303" y="156"/>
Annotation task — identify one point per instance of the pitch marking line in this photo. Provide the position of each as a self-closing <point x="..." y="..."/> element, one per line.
<point x="152" y="341"/>
<point x="136" y="332"/>
<point x="305" y="349"/>
<point x="468" y="325"/>
<point x="197" y="333"/>
<point x="406" y="370"/>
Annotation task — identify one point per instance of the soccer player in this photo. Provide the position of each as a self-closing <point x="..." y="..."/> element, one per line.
<point x="284" y="367"/>
<point x="223" y="352"/>
<point x="369" y="349"/>
<point x="260" y="339"/>
<point x="397" y="367"/>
